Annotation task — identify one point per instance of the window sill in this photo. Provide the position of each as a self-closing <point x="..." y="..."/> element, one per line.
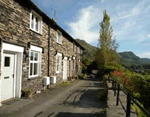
<point x="59" y="43"/>
<point x="35" y="32"/>
<point x="58" y="72"/>
<point x="35" y="77"/>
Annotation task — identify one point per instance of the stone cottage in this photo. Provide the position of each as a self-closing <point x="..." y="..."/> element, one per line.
<point x="33" y="46"/>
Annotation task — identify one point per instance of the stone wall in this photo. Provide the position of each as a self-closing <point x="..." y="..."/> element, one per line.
<point x="15" y="28"/>
<point x="68" y="50"/>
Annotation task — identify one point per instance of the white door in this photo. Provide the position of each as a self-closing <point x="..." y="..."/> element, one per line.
<point x="7" y="87"/>
<point x="64" y="69"/>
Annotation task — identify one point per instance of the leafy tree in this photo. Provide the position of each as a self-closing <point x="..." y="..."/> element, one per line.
<point x="106" y="54"/>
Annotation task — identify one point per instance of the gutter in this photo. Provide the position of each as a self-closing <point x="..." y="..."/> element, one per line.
<point x="49" y="37"/>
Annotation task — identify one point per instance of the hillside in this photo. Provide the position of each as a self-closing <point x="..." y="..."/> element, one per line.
<point x="127" y="57"/>
<point x="130" y="58"/>
<point x="90" y="50"/>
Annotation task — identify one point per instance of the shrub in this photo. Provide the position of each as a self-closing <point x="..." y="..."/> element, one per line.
<point x="102" y="96"/>
<point x="28" y="93"/>
<point x="80" y="76"/>
<point x="139" y="112"/>
<point x="105" y="78"/>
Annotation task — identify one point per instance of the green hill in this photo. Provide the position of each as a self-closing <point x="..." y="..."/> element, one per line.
<point x="129" y="58"/>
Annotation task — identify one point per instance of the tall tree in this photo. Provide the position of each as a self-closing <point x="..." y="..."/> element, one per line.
<point x="107" y="45"/>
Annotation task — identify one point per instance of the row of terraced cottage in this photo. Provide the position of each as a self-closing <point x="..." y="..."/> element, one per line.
<point x="32" y="47"/>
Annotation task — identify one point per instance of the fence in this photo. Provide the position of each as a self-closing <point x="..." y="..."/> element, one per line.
<point x="130" y="98"/>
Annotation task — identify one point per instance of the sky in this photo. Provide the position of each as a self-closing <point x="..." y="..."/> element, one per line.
<point x="130" y="20"/>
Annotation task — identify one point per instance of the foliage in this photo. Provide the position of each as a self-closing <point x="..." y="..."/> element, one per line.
<point x="28" y="93"/>
<point x="112" y="66"/>
<point x="80" y="76"/>
<point x="86" y="62"/>
<point x="139" y="112"/>
<point x="102" y="95"/>
<point x="137" y="84"/>
<point x="107" y="46"/>
<point x="105" y="78"/>
<point x="64" y="83"/>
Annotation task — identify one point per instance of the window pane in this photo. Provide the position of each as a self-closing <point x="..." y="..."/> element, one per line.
<point x="31" y="67"/>
<point x="36" y="57"/>
<point x="36" y="24"/>
<point x="31" y="57"/>
<point x="35" y="68"/>
<point x="32" y="22"/>
<point x="57" y="60"/>
<point x="60" y="63"/>
<point x="59" y="37"/>
<point x="7" y="62"/>
<point x="57" y="67"/>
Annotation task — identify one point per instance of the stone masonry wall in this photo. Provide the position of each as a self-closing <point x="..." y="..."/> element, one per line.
<point x="15" y="28"/>
<point x="66" y="48"/>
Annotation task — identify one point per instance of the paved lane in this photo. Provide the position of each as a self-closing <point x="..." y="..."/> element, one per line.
<point x="81" y="101"/>
<point x="76" y="100"/>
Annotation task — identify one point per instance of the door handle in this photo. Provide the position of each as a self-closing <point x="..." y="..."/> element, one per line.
<point x="13" y="75"/>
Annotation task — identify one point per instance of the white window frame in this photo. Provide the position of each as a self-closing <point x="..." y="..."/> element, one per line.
<point x="74" y="48"/>
<point x="57" y="38"/>
<point x="38" y="50"/>
<point x="40" y="22"/>
<point x="78" y="49"/>
<point x="81" y="51"/>
<point x="59" y="56"/>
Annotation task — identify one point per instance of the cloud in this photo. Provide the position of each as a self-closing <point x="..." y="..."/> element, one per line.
<point x="129" y="25"/>
<point x="144" y="55"/>
<point x="128" y="22"/>
<point x="87" y="24"/>
<point x="129" y="13"/>
<point x="148" y="35"/>
<point x="102" y="1"/>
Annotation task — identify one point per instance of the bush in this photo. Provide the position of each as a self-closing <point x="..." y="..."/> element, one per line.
<point x="102" y="96"/>
<point x="139" y="112"/>
<point x="80" y="76"/>
<point x="135" y="83"/>
<point x="28" y="93"/>
<point x="105" y="78"/>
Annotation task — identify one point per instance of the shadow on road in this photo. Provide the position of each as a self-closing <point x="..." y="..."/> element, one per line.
<point x="63" y="114"/>
<point x="88" y="97"/>
<point x="85" y="98"/>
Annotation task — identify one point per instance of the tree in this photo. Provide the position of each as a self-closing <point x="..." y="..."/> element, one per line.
<point x="107" y="45"/>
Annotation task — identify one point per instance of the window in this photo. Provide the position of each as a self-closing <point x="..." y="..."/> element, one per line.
<point x="35" y="22"/>
<point x="78" y="50"/>
<point x="35" y="61"/>
<point x="74" y="47"/>
<point x="59" y="38"/>
<point x="7" y="62"/>
<point x="81" y="51"/>
<point x="58" y="62"/>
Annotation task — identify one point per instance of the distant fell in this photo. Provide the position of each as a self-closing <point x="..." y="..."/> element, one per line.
<point x="130" y="58"/>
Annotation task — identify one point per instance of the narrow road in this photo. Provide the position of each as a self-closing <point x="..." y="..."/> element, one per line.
<point x="77" y="100"/>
